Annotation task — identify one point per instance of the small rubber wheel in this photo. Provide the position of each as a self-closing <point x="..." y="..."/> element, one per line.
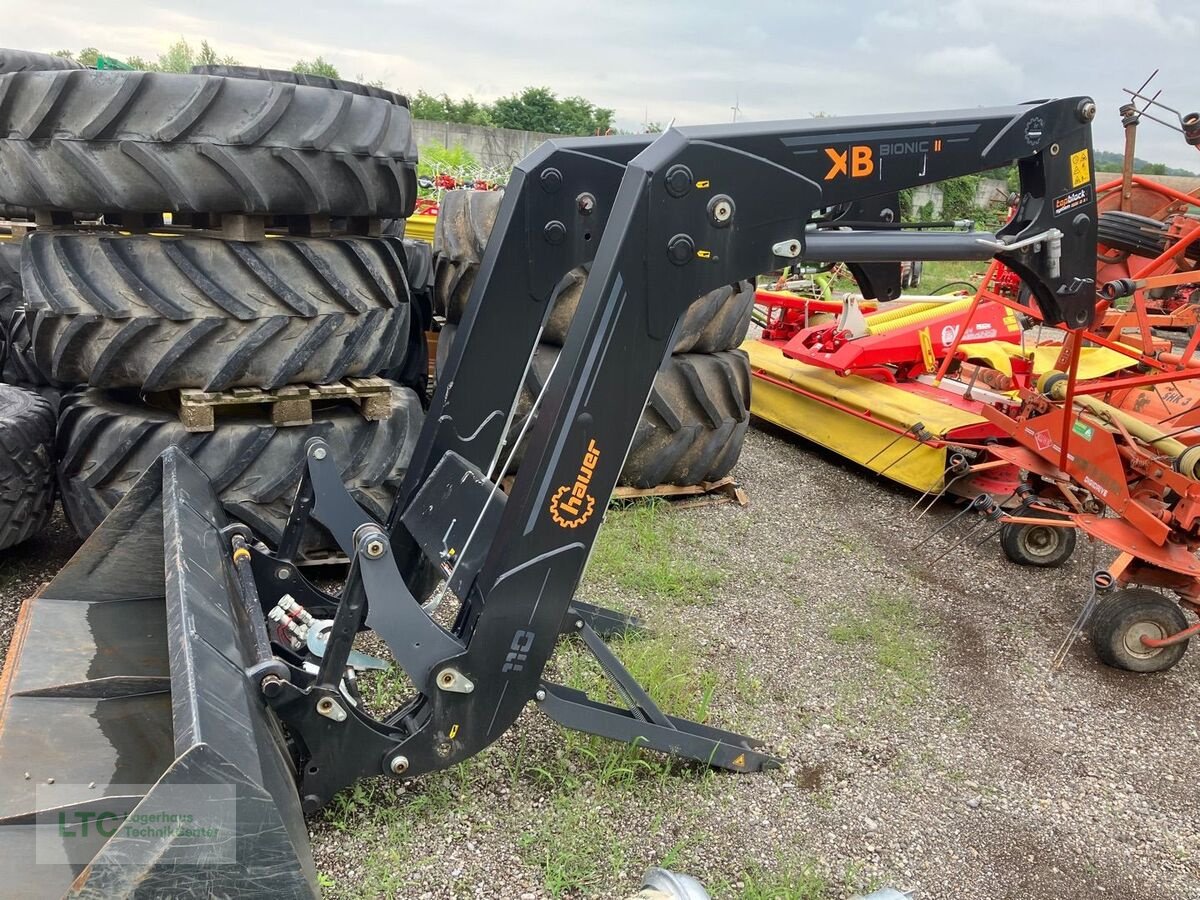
<point x="914" y="277"/>
<point x="1044" y="546"/>
<point x="1121" y="621"/>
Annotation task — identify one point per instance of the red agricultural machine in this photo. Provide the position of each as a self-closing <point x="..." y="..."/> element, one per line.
<point x="1097" y="431"/>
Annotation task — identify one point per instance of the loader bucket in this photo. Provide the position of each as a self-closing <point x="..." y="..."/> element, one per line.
<point x="135" y="756"/>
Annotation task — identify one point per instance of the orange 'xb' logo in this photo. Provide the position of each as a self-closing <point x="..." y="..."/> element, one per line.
<point x="855" y="161"/>
<point x="572" y="505"/>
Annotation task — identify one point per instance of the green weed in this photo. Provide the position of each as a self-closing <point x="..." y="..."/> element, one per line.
<point x="890" y="629"/>
<point x="639" y="549"/>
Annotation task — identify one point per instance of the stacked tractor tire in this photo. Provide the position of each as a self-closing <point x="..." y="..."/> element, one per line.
<point x="695" y="420"/>
<point x="215" y="230"/>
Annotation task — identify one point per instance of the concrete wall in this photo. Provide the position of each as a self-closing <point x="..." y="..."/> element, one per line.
<point x="990" y="192"/>
<point x="491" y="147"/>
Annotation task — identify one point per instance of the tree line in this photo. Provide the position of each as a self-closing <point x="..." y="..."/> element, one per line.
<point x="532" y="109"/>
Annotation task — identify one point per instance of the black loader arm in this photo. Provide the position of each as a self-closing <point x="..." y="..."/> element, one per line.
<point x="662" y="222"/>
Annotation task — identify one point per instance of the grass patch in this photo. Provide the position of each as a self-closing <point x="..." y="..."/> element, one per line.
<point x="669" y="671"/>
<point x="889" y="629"/>
<point x="575" y="846"/>
<point x="641" y="548"/>
<point x="392" y="820"/>
<point x="934" y="274"/>
<point x="791" y="881"/>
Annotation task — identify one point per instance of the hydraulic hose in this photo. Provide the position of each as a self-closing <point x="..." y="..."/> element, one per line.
<point x="1186" y="459"/>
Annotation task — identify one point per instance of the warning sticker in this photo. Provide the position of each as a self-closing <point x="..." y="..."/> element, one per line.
<point x="1081" y="170"/>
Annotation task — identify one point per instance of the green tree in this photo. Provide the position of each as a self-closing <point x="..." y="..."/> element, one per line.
<point x="179" y="57"/>
<point x="317" y="66"/>
<point x="958" y="197"/>
<point x="534" y="109"/>
<point x="538" y="109"/>
<point x="445" y="109"/>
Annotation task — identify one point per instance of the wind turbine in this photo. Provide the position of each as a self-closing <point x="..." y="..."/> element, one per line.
<point x="737" y="105"/>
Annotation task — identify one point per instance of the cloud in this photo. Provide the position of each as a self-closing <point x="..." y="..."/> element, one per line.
<point x="690" y="61"/>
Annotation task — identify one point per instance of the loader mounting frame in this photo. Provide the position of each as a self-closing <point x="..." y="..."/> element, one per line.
<point x="662" y="221"/>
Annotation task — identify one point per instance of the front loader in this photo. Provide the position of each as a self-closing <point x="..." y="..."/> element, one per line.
<point x="180" y="695"/>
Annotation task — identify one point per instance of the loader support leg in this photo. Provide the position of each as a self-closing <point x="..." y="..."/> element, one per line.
<point x="606" y="623"/>
<point x="643" y="723"/>
<point x="679" y="737"/>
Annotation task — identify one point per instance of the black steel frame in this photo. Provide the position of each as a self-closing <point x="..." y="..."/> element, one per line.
<point x="662" y="220"/>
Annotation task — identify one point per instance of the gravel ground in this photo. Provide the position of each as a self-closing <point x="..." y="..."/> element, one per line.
<point x="922" y="744"/>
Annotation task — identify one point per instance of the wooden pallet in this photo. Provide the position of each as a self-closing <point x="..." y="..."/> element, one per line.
<point x="290" y="405"/>
<point x="707" y="493"/>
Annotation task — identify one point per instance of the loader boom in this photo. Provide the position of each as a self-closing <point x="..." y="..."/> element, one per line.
<point x="690" y="210"/>
<point x="660" y="221"/>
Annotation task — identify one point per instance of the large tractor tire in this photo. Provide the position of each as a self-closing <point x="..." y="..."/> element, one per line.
<point x="414" y="371"/>
<point x="106" y="440"/>
<point x="162" y="313"/>
<point x="28" y="61"/>
<point x="16" y="355"/>
<point x="10" y="279"/>
<point x="717" y="321"/>
<point x="284" y="76"/>
<point x="26" y="464"/>
<point x="116" y="142"/>
<point x="694" y="423"/>
<point x="465" y="220"/>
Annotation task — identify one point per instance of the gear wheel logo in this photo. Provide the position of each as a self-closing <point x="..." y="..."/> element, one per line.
<point x="557" y="507"/>
<point x="572" y="505"/>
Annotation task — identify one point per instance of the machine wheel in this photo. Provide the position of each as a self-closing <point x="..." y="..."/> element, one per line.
<point x="694" y="423"/>
<point x="465" y="220"/>
<point x="716" y="321"/>
<point x="28" y="61"/>
<point x="19" y="365"/>
<point x="445" y="339"/>
<point x="1044" y="546"/>
<point x="163" y="313"/>
<point x="26" y="464"/>
<point x="1139" y="235"/>
<point x="117" y="141"/>
<point x="1122" y="619"/>
<point x="914" y="275"/>
<point x="106" y="440"/>
<point x="284" y="76"/>
<point x="10" y="279"/>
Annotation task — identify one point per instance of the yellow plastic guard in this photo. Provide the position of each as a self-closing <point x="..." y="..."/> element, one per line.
<point x="846" y="434"/>
<point x="1094" y="362"/>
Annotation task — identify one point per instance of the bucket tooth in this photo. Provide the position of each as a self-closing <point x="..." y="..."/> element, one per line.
<point x="124" y="694"/>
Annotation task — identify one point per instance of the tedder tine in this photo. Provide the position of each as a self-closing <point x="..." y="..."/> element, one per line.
<point x="134" y="757"/>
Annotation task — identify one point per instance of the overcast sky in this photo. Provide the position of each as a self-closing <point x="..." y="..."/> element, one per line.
<point x="691" y="61"/>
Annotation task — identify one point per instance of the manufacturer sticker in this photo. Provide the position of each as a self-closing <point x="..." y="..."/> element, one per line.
<point x="1081" y="170"/>
<point x="1083" y="429"/>
<point x="1072" y="200"/>
<point x="572" y="505"/>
